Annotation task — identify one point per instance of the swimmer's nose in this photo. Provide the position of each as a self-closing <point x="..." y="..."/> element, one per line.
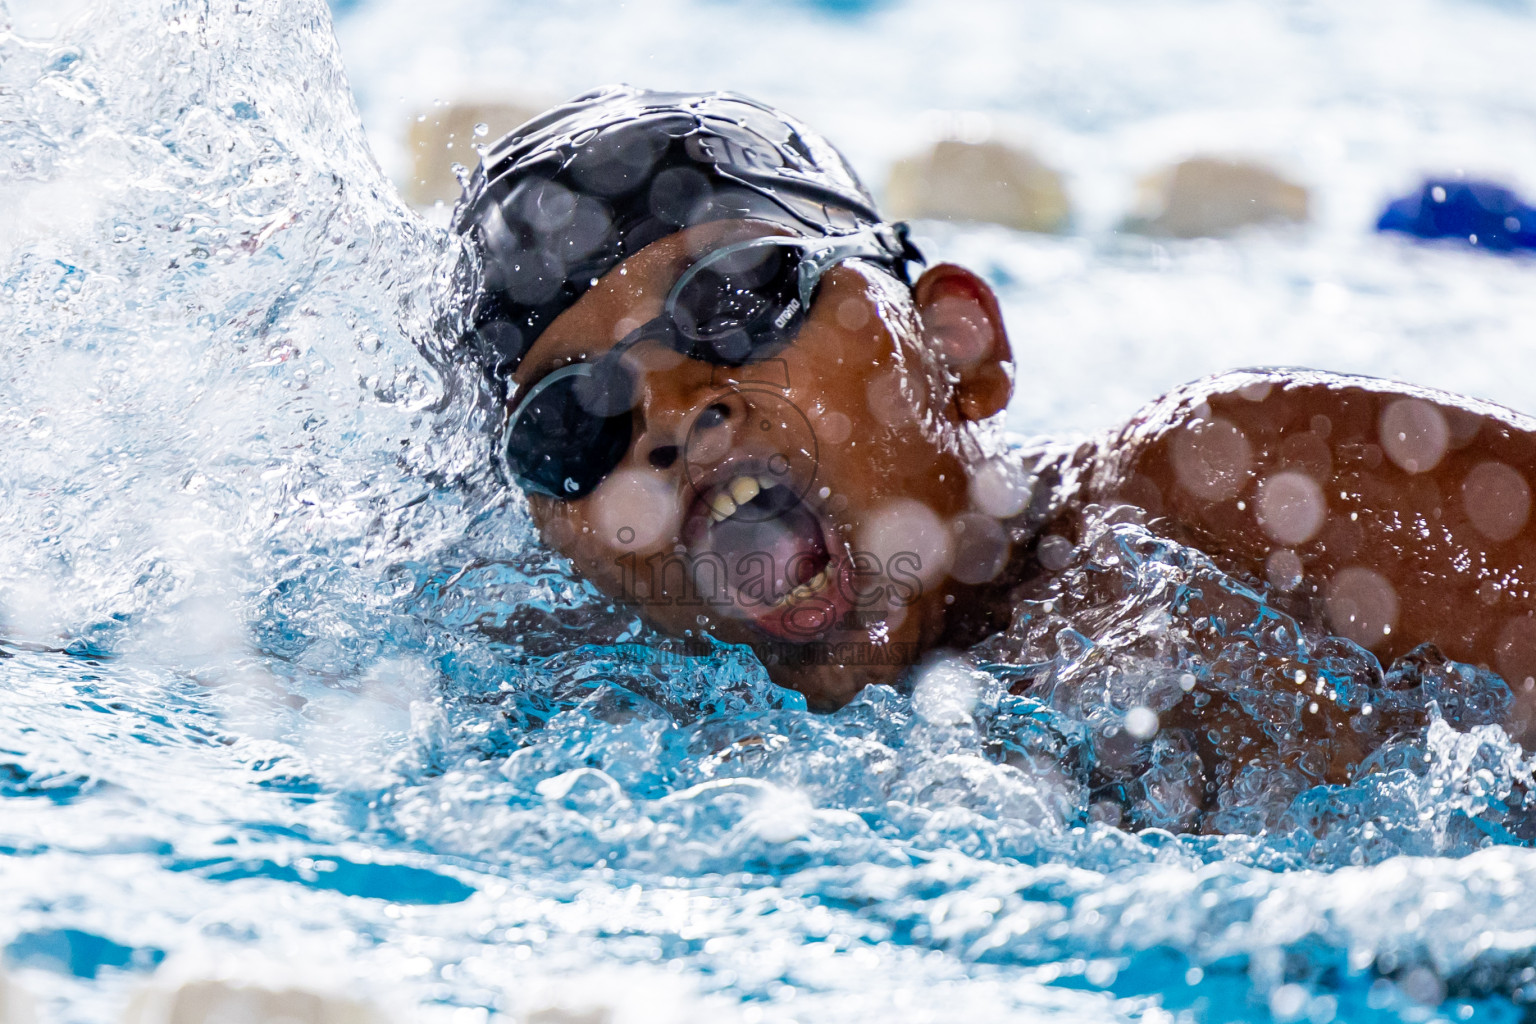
<point x="684" y="420"/>
<point x="704" y="433"/>
<point x="663" y="456"/>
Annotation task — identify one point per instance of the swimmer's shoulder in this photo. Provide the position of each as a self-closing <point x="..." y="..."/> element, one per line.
<point x="1275" y="394"/>
<point x="1271" y="404"/>
<point x="1242" y="417"/>
<point x="1208" y="441"/>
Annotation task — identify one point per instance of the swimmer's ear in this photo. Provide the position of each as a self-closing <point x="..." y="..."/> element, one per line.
<point x="962" y="320"/>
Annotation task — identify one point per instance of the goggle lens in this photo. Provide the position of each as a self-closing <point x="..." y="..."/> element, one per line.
<point x="572" y="432"/>
<point x="737" y="308"/>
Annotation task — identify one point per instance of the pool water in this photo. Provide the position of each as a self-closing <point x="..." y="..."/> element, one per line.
<point x="287" y="680"/>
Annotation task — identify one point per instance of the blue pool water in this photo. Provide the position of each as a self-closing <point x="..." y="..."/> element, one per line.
<point x="287" y="680"/>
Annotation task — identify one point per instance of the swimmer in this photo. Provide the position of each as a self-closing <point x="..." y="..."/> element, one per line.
<point x="736" y="399"/>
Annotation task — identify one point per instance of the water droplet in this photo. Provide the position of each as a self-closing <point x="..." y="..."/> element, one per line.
<point x="1141" y="722"/>
<point x="1414" y="434"/>
<point x="1291" y="508"/>
<point x="1362" y="605"/>
<point x="1284" y="570"/>
<point x="1497" y="500"/>
<point x="1000" y="488"/>
<point x="1211" y="459"/>
<point x="1054" y="552"/>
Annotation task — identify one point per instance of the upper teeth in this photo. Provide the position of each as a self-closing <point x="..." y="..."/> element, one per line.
<point x="734" y="495"/>
<point x="744" y="489"/>
<point x="721" y="507"/>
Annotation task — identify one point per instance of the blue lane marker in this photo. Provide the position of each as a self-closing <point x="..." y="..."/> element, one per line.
<point x="1478" y="213"/>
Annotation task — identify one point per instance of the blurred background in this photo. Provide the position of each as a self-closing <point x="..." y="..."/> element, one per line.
<point x="1304" y="117"/>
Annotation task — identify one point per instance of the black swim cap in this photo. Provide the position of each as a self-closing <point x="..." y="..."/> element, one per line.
<point x="558" y="202"/>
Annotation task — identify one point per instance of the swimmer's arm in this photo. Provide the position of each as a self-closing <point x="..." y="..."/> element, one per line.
<point x="1390" y="514"/>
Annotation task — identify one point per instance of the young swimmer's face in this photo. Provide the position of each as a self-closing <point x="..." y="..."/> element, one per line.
<point x="814" y="504"/>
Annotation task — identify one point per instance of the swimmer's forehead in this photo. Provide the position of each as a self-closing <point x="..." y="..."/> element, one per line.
<point x="629" y="295"/>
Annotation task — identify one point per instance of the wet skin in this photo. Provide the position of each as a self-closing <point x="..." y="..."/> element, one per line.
<point x="1390" y="515"/>
<point x="884" y="386"/>
<point x="1387" y="514"/>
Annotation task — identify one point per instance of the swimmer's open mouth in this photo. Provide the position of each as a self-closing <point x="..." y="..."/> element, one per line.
<point x="760" y="553"/>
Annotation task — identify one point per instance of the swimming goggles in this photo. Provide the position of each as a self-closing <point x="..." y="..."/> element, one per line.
<point x="735" y="305"/>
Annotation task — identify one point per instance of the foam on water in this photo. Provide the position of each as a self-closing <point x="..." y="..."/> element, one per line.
<point x="286" y="678"/>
